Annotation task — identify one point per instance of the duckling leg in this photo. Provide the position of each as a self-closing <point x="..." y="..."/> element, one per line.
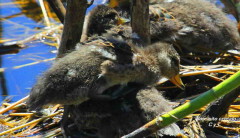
<point x="64" y="125"/>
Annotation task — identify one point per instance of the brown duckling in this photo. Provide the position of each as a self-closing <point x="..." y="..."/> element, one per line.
<point x="100" y="64"/>
<point x="113" y="119"/>
<point x="193" y="25"/>
<point x="202" y="26"/>
<point x="100" y="19"/>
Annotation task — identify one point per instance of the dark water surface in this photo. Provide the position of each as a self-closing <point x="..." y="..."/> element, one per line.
<point x="19" y="20"/>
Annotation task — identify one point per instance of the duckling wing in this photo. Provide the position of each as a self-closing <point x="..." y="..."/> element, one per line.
<point x="112" y="48"/>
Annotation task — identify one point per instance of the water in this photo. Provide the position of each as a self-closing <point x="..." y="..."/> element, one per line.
<point x="19" y="20"/>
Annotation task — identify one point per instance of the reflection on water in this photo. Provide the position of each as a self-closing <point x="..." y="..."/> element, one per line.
<point x="19" y="20"/>
<point x="30" y="9"/>
<point x="3" y="88"/>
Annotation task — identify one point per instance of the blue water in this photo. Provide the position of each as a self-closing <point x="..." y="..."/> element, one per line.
<point x="18" y="82"/>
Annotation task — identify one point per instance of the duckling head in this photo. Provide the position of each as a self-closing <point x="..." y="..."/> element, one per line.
<point x="102" y="18"/>
<point x="163" y="59"/>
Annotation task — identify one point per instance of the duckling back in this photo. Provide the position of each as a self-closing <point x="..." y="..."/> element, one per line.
<point x="203" y="26"/>
<point x="121" y="116"/>
<point x="68" y="81"/>
<point x="194" y="25"/>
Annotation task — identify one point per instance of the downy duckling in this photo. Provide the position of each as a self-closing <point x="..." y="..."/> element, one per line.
<point x="113" y="119"/>
<point x="100" y="19"/>
<point x="100" y="64"/>
<point x="193" y="25"/>
<point x="199" y="26"/>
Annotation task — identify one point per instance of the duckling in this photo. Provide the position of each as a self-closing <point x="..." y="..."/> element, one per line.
<point x="111" y="119"/>
<point x="202" y="27"/>
<point x="100" y="19"/>
<point x="193" y="25"/>
<point x="100" y="64"/>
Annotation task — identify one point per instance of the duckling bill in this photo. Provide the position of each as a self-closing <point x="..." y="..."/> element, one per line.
<point x="98" y="65"/>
